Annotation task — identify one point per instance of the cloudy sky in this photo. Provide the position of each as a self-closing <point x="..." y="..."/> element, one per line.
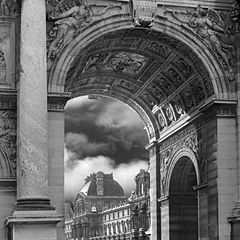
<point x="102" y="135"/>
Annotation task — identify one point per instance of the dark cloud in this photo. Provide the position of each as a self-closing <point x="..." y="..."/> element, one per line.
<point x="106" y="135"/>
<point x="80" y="145"/>
<point x="109" y="125"/>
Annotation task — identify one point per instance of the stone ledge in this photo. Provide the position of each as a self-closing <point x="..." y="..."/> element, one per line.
<point x="57" y="101"/>
<point x="33" y="217"/>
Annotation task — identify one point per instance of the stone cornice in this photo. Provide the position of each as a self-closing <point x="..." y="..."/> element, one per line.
<point x="57" y="101"/>
<point x="8" y="99"/>
<point x="220" y="108"/>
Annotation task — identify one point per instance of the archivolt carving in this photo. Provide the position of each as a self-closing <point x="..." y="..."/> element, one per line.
<point x="120" y="62"/>
<point x="192" y="138"/>
<point x="7" y="144"/>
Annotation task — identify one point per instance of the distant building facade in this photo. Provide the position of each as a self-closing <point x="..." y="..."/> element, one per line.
<point x="101" y="211"/>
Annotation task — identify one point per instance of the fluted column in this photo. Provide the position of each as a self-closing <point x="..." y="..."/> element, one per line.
<point x="32" y="172"/>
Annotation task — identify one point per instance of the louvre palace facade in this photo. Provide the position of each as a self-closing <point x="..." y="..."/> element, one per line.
<point x="175" y="62"/>
<point x="101" y="211"/>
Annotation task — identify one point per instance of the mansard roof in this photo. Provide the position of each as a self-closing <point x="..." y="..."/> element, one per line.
<point x="100" y="184"/>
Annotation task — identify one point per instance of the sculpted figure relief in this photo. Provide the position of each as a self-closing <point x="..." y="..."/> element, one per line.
<point x="67" y="22"/>
<point x="69" y="18"/>
<point x="213" y="29"/>
<point x="210" y="26"/>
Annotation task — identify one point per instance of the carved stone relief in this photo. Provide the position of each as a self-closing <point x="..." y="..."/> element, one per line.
<point x="7" y="55"/>
<point x="66" y="21"/>
<point x="192" y="138"/>
<point x="8" y="8"/>
<point x="120" y="62"/>
<point x="214" y="27"/>
<point x="7" y="144"/>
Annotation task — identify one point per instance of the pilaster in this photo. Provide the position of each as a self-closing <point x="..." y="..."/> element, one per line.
<point x="222" y="166"/>
<point x="155" y="227"/>
<point x="235" y="218"/>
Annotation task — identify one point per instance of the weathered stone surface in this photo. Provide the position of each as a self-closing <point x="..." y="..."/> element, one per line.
<point x="32" y="127"/>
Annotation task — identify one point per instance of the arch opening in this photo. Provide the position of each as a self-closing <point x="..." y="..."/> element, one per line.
<point x="183" y="201"/>
<point x="116" y="175"/>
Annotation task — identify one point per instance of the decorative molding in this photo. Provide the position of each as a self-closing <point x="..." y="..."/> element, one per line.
<point x="152" y="147"/>
<point x="164" y="201"/>
<point x="8" y="100"/>
<point x="221" y="108"/>
<point x="8" y="184"/>
<point x="202" y="189"/>
<point x="57" y="101"/>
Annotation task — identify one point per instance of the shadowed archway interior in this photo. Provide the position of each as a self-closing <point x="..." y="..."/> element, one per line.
<point x="183" y="202"/>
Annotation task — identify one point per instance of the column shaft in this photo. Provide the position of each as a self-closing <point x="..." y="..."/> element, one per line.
<point x="32" y="104"/>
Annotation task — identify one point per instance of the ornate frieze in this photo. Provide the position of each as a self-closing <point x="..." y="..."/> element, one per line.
<point x="8" y="148"/>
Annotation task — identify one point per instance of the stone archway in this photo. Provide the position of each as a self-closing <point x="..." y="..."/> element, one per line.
<point x="183" y="201"/>
<point x="164" y="73"/>
<point x="171" y="74"/>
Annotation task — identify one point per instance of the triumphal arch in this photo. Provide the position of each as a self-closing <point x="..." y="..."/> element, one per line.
<point x="175" y="62"/>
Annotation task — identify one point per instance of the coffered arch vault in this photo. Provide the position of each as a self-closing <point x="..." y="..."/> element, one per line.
<point x="164" y="73"/>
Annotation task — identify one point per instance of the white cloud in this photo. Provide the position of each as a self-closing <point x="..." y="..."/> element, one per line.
<point x="123" y="173"/>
